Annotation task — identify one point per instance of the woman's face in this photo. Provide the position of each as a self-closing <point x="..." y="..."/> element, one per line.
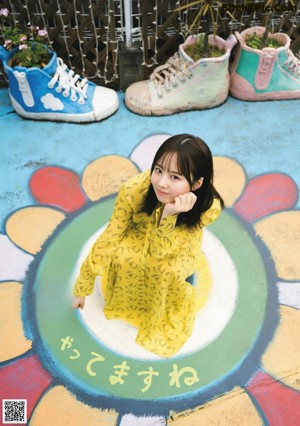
<point x="166" y="180"/>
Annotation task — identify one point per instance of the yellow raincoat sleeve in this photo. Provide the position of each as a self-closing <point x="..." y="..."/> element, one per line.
<point x="212" y="213"/>
<point x="99" y="258"/>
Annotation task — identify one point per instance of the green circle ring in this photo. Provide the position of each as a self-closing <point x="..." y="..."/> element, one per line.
<point x="80" y="361"/>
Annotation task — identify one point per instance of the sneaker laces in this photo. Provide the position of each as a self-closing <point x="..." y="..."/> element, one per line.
<point x="69" y="83"/>
<point x="293" y="63"/>
<point x="167" y="75"/>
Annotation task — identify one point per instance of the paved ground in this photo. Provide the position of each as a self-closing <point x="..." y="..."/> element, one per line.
<point x="58" y="182"/>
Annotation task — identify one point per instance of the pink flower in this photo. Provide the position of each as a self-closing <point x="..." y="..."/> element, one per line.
<point x="23" y="38"/>
<point x="7" y="43"/>
<point x="23" y="46"/>
<point x="4" y="12"/>
<point x="42" y="33"/>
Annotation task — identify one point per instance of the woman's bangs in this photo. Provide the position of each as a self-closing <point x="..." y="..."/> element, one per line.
<point x="166" y="159"/>
<point x="184" y="165"/>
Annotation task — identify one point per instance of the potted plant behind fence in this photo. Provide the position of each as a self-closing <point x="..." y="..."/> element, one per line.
<point x="41" y="86"/>
<point x="195" y="77"/>
<point x="265" y="68"/>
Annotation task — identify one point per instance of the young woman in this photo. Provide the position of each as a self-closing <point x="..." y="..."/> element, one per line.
<point x="152" y="245"/>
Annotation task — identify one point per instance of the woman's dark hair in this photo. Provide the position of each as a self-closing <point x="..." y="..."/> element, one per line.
<point x="194" y="160"/>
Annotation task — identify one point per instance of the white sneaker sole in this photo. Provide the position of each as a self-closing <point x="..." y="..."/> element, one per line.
<point x="170" y="111"/>
<point x="89" y="117"/>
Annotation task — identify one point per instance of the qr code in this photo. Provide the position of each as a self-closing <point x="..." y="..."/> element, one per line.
<point x="14" y="411"/>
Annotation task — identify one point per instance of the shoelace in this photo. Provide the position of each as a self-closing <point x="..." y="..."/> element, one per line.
<point x="69" y="83"/>
<point x="293" y="63"/>
<point x="167" y="75"/>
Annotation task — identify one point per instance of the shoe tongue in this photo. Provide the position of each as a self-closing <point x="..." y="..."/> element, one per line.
<point x="50" y="68"/>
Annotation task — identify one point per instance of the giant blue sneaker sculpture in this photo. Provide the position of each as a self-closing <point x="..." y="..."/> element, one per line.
<point x="56" y="93"/>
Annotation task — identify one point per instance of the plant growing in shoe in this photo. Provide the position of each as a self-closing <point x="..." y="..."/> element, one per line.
<point x="209" y="10"/>
<point x="256" y="41"/>
<point x="198" y="50"/>
<point x="260" y="41"/>
<point x="42" y="87"/>
<point x="30" y="47"/>
<point x="266" y="40"/>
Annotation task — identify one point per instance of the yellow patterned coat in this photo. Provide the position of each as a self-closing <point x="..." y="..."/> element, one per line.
<point x="144" y="263"/>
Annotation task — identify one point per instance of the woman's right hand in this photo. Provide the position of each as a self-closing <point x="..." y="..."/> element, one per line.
<point x="78" y="302"/>
<point x="182" y="203"/>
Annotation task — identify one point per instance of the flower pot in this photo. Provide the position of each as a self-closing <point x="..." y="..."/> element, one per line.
<point x="56" y="93"/>
<point x="183" y="84"/>
<point x="264" y="74"/>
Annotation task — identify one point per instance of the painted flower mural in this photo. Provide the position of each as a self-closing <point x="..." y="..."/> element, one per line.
<point x="242" y="358"/>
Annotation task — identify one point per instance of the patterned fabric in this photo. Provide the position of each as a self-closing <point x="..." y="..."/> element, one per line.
<point x="145" y="265"/>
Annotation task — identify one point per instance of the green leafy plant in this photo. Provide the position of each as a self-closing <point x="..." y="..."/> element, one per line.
<point x="256" y="41"/>
<point x="196" y="51"/>
<point x="31" y="45"/>
<point x="266" y="39"/>
<point x="209" y="11"/>
<point x="259" y="42"/>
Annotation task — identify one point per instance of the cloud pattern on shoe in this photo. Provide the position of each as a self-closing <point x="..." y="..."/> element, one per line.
<point x="51" y="102"/>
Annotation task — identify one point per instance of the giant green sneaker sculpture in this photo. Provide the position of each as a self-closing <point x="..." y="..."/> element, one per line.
<point x="182" y="84"/>
<point x="266" y="74"/>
